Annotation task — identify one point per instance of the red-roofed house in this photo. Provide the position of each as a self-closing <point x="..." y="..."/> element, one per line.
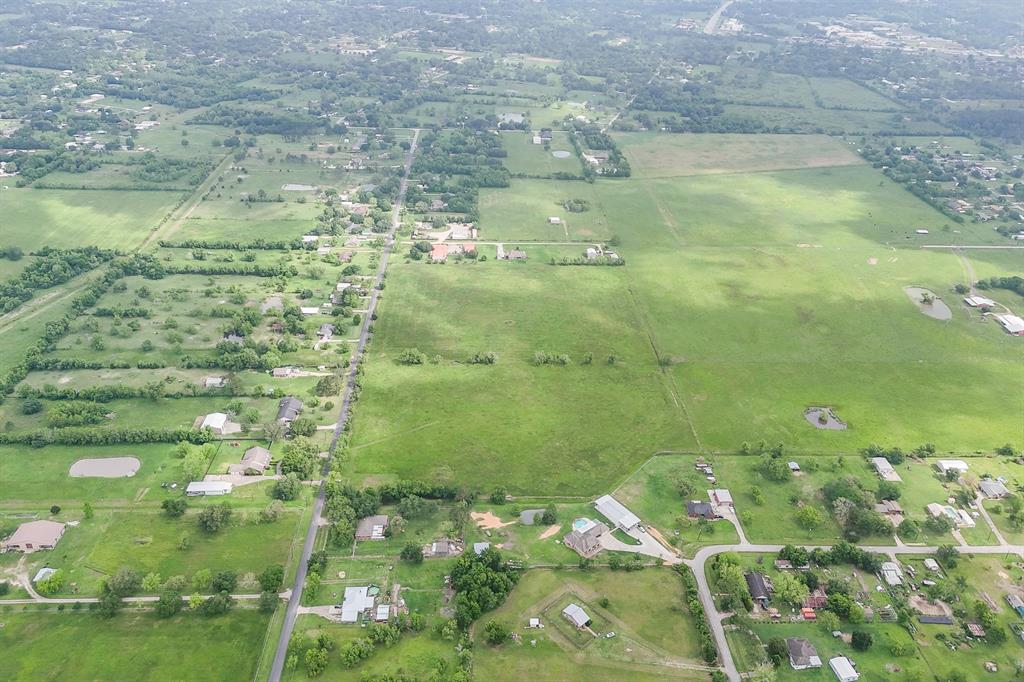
<point x="439" y="253"/>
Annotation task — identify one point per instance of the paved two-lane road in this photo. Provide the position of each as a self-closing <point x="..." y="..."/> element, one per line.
<point x="292" y="609"/>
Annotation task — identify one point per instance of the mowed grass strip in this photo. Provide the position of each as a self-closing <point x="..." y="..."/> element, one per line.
<point x="132" y="646"/>
<point x="653" y="155"/>
<point x="569" y="430"/>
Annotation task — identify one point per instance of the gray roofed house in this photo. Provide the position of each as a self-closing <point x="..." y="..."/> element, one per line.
<point x="936" y="620"/>
<point x="371" y="527"/>
<point x="696" y="509"/>
<point x="759" y="589"/>
<point x="325" y="332"/>
<point x="289" y="408"/>
<point x="576" y="615"/>
<point x="802" y="654"/>
<point x="993" y="489"/>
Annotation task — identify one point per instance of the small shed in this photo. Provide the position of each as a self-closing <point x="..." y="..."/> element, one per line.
<point x="575" y="614"/>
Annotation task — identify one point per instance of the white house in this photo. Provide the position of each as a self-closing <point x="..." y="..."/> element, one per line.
<point x="554" y="220"/>
<point x="613" y="510"/>
<point x="219" y="424"/>
<point x="1011" y="324"/>
<point x="843" y="668"/>
<point x="208" y="488"/>
<point x="356" y="601"/>
<point x="891" y="573"/>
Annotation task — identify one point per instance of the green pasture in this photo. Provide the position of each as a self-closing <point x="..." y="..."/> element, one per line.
<point x="533" y="159"/>
<point x="531" y="428"/>
<point x="645" y="609"/>
<point x="133" y="645"/>
<point x="654" y="155"/>
<point x="34" y="218"/>
<point x="521" y="212"/>
<point x="843" y="93"/>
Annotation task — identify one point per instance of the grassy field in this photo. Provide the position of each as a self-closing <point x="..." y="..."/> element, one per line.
<point x="521" y="212"/>
<point x="136" y="646"/>
<point x="533" y="159"/>
<point x="644" y="609"/>
<point x="653" y="155"/>
<point x="533" y="429"/>
<point x="34" y="218"/>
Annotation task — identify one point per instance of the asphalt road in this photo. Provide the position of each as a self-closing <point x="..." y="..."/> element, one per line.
<point x="292" y="609"/>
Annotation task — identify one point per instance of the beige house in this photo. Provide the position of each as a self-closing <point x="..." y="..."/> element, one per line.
<point x="254" y="462"/>
<point x="34" y="536"/>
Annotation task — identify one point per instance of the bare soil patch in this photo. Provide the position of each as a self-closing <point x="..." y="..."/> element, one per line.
<point x="105" y="467"/>
<point x="927" y="608"/>
<point x="550" y="530"/>
<point x="488" y="521"/>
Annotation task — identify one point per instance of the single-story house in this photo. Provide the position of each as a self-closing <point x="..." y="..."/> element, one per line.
<point x="885" y="469"/>
<point x="218" y="423"/>
<point x="934" y="509"/>
<point x="372" y="527"/>
<point x="515" y="254"/>
<point x="816" y="599"/>
<point x="945" y="465"/>
<point x="214" y="382"/>
<point x="721" y="497"/>
<point x="254" y="462"/>
<point x="615" y="512"/>
<point x="554" y="220"/>
<point x="891" y="573"/>
<point x="442" y="548"/>
<point x="843" y="668"/>
<point x="993" y="489"/>
<point x="931" y="564"/>
<point x="889" y="508"/>
<point x="208" y="488"/>
<point x="576" y="615"/>
<point x="480" y="547"/>
<point x="32" y="536"/>
<point x="585" y="537"/>
<point x="802" y="654"/>
<point x="325" y="332"/>
<point x="288" y="409"/>
<point x="759" y="588"/>
<point x="696" y="509"/>
<point x="1016" y="603"/>
<point x="309" y="309"/>
<point x="357" y="600"/>
<point x="439" y="253"/>
<point x="1011" y="324"/>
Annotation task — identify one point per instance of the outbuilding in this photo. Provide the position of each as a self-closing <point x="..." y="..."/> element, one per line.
<point x="33" y="536"/>
<point x="208" y="488"/>
<point x="843" y="668"/>
<point x="993" y="489"/>
<point x="615" y="512"/>
<point x="1011" y="324"/>
<point x="885" y="469"/>
<point x="946" y="465"/>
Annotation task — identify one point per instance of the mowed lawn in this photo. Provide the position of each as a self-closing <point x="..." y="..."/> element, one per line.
<point x="654" y="155"/>
<point x="131" y="646"/>
<point x="645" y="609"/>
<point x="67" y="218"/>
<point x="552" y="429"/>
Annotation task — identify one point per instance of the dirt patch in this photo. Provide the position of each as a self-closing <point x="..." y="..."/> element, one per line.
<point x="824" y="418"/>
<point x="105" y="467"/>
<point x="488" y="521"/>
<point x="550" y="530"/>
<point x="872" y="261"/>
<point x="927" y="608"/>
<point x="64" y="380"/>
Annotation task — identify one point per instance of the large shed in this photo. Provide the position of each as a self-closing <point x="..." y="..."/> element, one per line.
<point x="615" y="512"/>
<point x="34" y="536"/>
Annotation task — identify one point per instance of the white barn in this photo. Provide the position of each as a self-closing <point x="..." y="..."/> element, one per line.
<point x="613" y="510"/>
